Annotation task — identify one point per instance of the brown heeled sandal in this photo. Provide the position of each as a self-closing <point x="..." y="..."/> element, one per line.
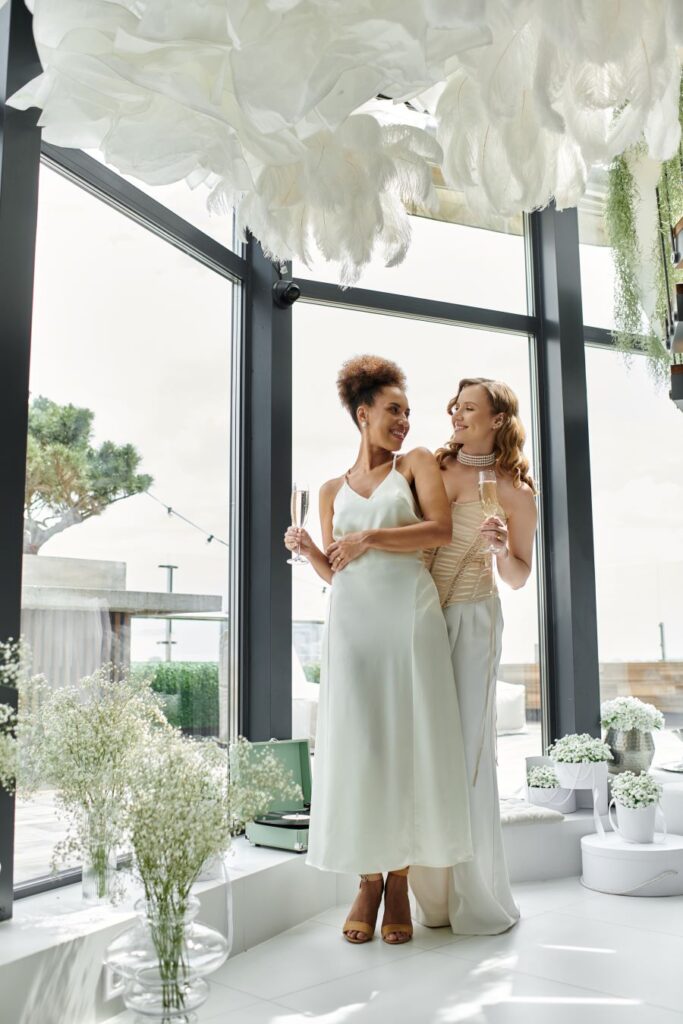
<point x="399" y="929"/>
<point x="367" y="883"/>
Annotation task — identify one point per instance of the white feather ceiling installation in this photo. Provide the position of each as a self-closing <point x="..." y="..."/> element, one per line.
<point x="262" y="101"/>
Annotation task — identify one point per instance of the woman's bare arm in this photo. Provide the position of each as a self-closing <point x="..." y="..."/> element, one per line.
<point x="514" y="560"/>
<point x="300" y="539"/>
<point x="436" y="528"/>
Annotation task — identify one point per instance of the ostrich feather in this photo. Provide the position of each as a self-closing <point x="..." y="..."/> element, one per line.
<point x="674" y="19"/>
<point x="548" y="80"/>
<point x="593" y="31"/>
<point x="662" y="128"/>
<point x="506" y="72"/>
<point x="460" y="114"/>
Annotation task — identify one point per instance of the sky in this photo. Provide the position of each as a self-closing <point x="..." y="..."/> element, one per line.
<point x="132" y="328"/>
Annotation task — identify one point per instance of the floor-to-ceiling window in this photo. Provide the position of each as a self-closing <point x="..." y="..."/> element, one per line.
<point x="636" y="441"/>
<point x="128" y="476"/>
<point x="636" y="436"/>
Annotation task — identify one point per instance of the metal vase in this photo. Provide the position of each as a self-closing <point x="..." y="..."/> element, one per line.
<point x="632" y="750"/>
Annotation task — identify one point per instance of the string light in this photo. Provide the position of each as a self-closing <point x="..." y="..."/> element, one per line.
<point x="210" y="537"/>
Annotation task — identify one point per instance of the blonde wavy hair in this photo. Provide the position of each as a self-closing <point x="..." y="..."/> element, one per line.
<point x="510" y="436"/>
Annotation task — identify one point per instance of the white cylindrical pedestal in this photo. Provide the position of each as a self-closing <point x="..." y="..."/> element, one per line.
<point x="633" y="869"/>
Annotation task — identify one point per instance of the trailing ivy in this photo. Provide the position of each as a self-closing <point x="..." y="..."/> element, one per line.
<point x="620" y="218"/>
<point x="670" y="203"/>
<point x="630" y="333"/>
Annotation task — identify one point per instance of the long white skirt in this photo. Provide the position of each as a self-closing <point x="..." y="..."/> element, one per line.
<point x="475" y="897"/>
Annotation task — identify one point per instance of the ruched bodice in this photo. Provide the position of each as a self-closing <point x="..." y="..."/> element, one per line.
<point x="391" y="504"/>
<point x="462" y="570"/>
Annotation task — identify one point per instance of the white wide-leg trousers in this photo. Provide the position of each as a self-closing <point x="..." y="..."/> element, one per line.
<point x="474" y="897"/>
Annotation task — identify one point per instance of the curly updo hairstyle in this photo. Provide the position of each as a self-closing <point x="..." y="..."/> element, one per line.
<point x="362" y="377"/>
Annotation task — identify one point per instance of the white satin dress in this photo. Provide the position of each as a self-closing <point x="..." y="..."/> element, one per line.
<point x="389" y="782"/>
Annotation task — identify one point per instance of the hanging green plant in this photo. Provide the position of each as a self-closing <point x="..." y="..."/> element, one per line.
<point x="635" y="330"/>
<point x="620" y="218"/>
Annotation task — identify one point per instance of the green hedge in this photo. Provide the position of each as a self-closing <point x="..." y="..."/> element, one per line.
<point x="312" y="672"/>
<point x="190" y="693"/>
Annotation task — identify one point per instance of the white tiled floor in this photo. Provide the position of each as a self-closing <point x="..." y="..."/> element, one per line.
<point x="576" y="956"/>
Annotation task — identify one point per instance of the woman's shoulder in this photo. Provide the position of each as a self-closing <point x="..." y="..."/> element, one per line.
<point x="515" y="497"/>
<point x="329" y="489"/>
<point x="418" y="456"/>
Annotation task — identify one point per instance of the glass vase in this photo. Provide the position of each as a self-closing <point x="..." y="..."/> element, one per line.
<point x="162" y="960"/>
<point x="99" y="873"/>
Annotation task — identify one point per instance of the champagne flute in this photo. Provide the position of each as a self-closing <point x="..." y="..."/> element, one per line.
<point x="299" y="510"/>
<point x="488" y="495"/>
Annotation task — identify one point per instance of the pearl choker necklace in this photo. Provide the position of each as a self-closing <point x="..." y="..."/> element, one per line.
<point x="476" y="460"/>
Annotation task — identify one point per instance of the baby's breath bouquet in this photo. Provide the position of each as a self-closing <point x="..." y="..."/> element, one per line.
<point x="20" y="726"/>
<point x="8" y="747"/>
<point x="542" y="776"/>
<point x="187" y="797"/>
<point x="93" y="735"/>
<point x="256" y="778"/>
<point x="579" y="747"/>
<point x="15" y="660"/>
<point x="626" y="713"/>
<point x="631" y="790"/>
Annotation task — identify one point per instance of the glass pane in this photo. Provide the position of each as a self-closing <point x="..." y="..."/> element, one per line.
<point x="595" y="254"/>
<point x="135" y="332"/>
<point x="188" y="203"/>
<point x="636" y="444"/>
<point x="597" y="285"/>
<point x="449" y="262"/>
<point x="434" y="358"/>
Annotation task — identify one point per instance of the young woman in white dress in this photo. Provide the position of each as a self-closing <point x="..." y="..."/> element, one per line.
<point x="475" y="898"/>
<point x="389" y="786"/>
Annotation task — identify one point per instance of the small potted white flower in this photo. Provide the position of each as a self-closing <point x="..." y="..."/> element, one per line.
<point x="636" y="797"/>
<point x="580" y="760"/>
<point x="629" y="723"/>
<point x="544" y="790"/>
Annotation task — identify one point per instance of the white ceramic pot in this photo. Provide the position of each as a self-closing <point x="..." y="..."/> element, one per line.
<point x="579" y="774"/>
<point x="634" y="824"/>
<point x="558" y="799"/>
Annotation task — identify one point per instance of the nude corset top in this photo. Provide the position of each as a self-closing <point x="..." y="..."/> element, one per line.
<point x="461" y="569"/>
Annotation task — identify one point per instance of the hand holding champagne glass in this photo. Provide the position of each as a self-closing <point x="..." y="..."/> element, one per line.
<point x="488" y="494"/>
<point x="299" y="510"/>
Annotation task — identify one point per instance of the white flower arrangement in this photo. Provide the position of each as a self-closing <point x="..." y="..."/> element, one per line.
<point x="631" y="790"/>
<point x="20" y="730"/>
<point x="15" y="662"/>
<point x="630" y="713"/>
<point x="576" y="748"/>
<point x="8" y="747"/>
<point x="91" y="737"/>
<point x="256" y="778"/>
<point x="542" y="776"/>
<point x="185" y="801"/>
<point x="182" y="809"/>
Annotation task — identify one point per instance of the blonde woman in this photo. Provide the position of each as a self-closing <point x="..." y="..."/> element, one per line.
<point x="475" y="897"/>
<point x="389" y="785"/>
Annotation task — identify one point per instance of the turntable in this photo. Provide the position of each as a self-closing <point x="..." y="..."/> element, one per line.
<point x="284" y="826"/>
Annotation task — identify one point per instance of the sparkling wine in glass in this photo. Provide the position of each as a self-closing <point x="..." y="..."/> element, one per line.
<point x="488" y="495"/>
<point x="299" y="510"/>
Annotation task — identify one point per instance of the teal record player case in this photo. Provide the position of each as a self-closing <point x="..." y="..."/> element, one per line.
<point x="295" y="755"/>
